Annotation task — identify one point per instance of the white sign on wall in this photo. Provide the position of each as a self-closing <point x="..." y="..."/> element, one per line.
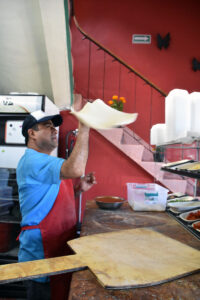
<point x="141" y="39"/>
<point x="20" y="104"/>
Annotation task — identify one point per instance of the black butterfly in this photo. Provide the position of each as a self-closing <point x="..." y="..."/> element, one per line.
<point x="163" y="42"/>
<point x="195" y="64"/>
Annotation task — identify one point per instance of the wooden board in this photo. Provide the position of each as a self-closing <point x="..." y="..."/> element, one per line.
<point x="121" y="259"/>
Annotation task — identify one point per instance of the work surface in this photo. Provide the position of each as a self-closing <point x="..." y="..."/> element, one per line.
<point x="85" y="286"/>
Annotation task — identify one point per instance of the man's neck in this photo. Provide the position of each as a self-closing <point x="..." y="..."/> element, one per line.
<point x="34" y="147"/>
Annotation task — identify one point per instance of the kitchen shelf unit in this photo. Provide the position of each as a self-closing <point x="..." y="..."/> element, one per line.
<point x="181" y="146"/>
<point x="195" y="174"/>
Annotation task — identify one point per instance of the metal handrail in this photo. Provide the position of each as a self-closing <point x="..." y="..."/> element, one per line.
<point x="131" y="69"/>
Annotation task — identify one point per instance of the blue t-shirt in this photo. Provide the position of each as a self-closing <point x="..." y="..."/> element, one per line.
<point x="38" y="179"/>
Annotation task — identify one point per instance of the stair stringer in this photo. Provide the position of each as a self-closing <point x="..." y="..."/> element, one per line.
<point x="135" y="152"/>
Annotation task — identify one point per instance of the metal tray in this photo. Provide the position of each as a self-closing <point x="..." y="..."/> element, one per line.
<point x="178" y="163"/>
<point x="186" y="225"/>
<point x="192" y="174"/>
<point x="182" y="207"/>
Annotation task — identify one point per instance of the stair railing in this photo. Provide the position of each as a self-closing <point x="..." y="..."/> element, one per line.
<point x="122" y="62"/>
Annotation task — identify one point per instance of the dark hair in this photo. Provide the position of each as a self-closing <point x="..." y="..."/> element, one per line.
<point x="35" y="127"/>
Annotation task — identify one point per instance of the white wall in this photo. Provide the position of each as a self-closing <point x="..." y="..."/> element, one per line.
<point x="33" y="55"/>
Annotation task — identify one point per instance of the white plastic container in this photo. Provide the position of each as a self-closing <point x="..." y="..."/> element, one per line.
<point x="194" y="113"/>
<point x="177" y="114"/>
<point x="147" y="196"/>
<point x="158" y="134"/>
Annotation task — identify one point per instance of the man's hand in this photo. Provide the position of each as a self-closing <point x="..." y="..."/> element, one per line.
<point x="86" y="182"/>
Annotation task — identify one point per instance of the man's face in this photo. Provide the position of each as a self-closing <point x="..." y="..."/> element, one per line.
<point x="46" y="136"/>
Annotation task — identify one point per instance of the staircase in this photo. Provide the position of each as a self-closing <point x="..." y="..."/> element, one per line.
<point x="141" y="153"/>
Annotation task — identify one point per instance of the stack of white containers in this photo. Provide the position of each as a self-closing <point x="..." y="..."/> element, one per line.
<point x="195" y="111"/>
<point x="182" y="121"/>
<point x="177" y="114"/>
<point x="158" y="134"/>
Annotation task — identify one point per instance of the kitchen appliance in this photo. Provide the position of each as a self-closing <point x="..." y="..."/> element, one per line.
<point x="13" y="110"/>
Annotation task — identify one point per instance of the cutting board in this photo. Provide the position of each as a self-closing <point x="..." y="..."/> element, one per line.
<point x="122" y="259"/>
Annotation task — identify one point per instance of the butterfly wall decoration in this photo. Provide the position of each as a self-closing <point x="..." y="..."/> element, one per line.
<point x="163" y="41"/>
<point x="195" y="64"/>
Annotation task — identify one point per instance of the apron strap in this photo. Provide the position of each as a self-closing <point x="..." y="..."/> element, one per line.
<point x="27" y="228"/>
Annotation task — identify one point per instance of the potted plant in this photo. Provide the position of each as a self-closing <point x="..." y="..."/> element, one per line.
<point x="117" y="102"/>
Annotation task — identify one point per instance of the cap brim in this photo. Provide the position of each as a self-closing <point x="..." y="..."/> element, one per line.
<point x="56" y="119"/>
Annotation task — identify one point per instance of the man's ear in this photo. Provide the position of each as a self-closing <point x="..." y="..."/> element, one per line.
<point x="31" y="133"/>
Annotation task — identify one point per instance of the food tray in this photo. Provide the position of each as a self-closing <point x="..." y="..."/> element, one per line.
<point x="183" y="168"/>
<point x="176" y="163"/>
<point x="172" y="196"/>
<point x="198" y="230"/>
<point x="192" y="174"/>
<point x="182" y="199"/>
<point x="188" y="226"/>
<point x="184" y="206"/>
<point x="184" y="215"/>
<point x="174" y="211"/>
<point x="194" y="166"/>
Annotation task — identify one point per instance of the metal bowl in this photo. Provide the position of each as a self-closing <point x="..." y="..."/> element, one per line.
<point x="109" y="202"/>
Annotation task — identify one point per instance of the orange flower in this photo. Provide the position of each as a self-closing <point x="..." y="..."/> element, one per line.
<point x="115" y="97"/>
<point x="110" y="102"/>
<point x="122" y="99"/>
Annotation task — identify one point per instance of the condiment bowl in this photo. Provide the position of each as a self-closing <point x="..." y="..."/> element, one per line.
<point x="109" y="202"/>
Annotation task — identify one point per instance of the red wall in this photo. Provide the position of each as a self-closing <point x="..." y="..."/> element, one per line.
<point x="112" y="168"/>
<point x="113" y="23"/>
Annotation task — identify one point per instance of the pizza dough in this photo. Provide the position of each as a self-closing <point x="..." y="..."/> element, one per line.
<point x="99" y="115"/>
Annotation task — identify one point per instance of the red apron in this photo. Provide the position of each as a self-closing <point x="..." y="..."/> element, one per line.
<point x="57" y="228"/>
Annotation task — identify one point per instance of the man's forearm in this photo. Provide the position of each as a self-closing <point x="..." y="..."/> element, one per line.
<point x="75" y="165"/>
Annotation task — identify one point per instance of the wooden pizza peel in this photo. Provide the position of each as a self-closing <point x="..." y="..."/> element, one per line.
<point x="119" y="260"/>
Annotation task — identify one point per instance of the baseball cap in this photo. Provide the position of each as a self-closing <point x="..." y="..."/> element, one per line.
<point x="38" y="117"/>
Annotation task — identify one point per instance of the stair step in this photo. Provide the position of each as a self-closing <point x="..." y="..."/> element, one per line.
<point x="133" y="151"/>
<point x="168" y="175"/>
<point x="175" y="185"/>
<point x="190" y="189"/>
<point x="128" y="139"/>
<point x="144" y="158"/>
<point x="154" y="169"/>
<point x="113" y="135"/>
<point x="147" y="155"/>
